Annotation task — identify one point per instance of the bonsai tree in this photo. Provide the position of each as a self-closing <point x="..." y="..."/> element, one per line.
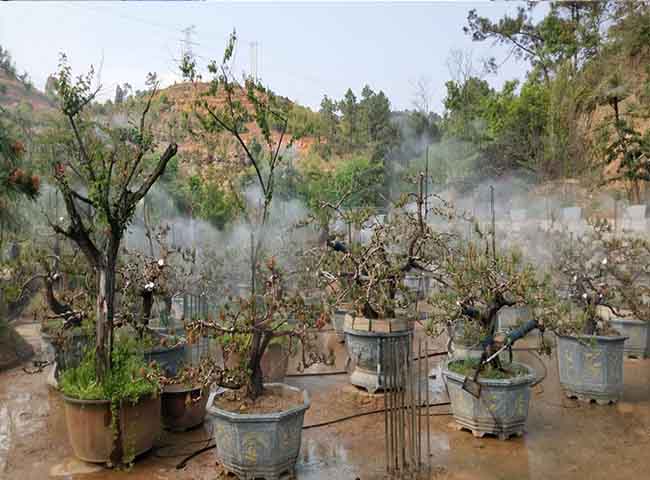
<point x="475" y="284"/>
<point x="371" y="275"/>
<point x="257" y="121"/>
<point x="601" y="274"/>
<point x="102" y="169"/>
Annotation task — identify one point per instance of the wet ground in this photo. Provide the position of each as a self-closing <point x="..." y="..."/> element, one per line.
<point x="565" y="439"/>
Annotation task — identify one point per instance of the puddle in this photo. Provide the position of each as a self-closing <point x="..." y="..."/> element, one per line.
<point x="565" y="439"/>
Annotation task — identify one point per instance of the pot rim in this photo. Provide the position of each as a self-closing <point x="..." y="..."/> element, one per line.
<point x="632" y="321"/>
<point x="262" y="417"/>
<point x="495" y="382"/>
<point x="161" y="349"/>
<point x="363" y="333"/>
<point x="79" y="401"/>
<point x="183" y="388"/>
<point x="600" y="338"/>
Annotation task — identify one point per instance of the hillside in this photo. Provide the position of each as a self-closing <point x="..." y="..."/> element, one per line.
<point x="13" y="92"/>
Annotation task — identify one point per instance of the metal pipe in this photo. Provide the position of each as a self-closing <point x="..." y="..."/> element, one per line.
<point x="420" y="403"/>
<point x="426" y="368"/>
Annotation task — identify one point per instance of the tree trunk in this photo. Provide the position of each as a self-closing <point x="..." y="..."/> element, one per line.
<point x="101" y="325"/>
<point x="254" y="365"/>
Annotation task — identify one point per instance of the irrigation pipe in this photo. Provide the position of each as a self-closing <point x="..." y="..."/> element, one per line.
<point x="183" y="463"/>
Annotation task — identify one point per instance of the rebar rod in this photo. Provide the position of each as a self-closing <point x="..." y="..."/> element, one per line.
<point x="384" y="361"/>
<point x="419" y="403"/>
<point x="411" y="370"/>
<point x="426" y="372"/>
<point x="400" y="403"/>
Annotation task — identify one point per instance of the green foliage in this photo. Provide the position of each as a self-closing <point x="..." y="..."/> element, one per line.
<point x="468" y="368"/>
<point x="478" y="284"/>
<point x="129" y="379"/>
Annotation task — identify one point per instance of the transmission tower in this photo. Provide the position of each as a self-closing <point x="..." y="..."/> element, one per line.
<point x="254" y="58"/>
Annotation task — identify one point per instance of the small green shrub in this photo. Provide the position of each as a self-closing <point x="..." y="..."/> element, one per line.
<point x="130" y="378"/>
<point x="468" y="367"/>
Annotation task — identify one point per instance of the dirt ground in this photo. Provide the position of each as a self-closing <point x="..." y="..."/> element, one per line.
<point x="565" y="439"/>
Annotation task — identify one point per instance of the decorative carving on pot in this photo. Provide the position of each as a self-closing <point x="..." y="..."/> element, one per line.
<point x="591" y="367"/>
<point x="502" y="408"/>
<point x="259" y="445"/>
<point x="363" y="340"/>
<point x="637" y="332"/>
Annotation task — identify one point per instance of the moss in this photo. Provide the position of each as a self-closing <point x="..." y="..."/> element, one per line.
<point x="468" y="367"/>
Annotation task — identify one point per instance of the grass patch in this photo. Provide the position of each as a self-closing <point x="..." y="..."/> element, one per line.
<point x="468" y="368"/>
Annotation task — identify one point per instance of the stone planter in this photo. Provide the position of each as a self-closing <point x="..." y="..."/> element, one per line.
<point x="259" y="445"/>
<point x="637" y="332"/>
<point x="591" y="367"/>
<point x="91" y="433"/>
<point x="501" y="410"/>
<point x="183" y="407"/>
<point x="510" y="318"/>
<point x="363" y="339"/>
<point x="67" y="351"/>
<point x="464" y="352"/>
<point x="274" y="363"/>
<point x="169" y="359"/>
<point x="338" y="322"/>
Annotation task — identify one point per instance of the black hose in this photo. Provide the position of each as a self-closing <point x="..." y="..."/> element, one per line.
<point x="183" y="464"/>
<point x="363" y="414"/>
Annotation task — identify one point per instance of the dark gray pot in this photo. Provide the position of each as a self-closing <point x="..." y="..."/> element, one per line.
<point x="364" y="348"/>
<point x="637" y="332"/>
<point x="69" y="352"/>
<point x="501" y="410"/>
<point x="259" y="445"/>
<point x="510" y="318"/>
<point x="168" y="359"/>
<point x="591" y="367"/>
<point x="338" y="322"/>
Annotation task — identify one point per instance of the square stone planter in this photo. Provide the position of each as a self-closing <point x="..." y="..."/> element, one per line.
<point x="264" y="445"/>
<point x="637" y="332"/>
<point x="501" y="410"/>
<point x="591" y="367"/>
<point x="364" y="339"/>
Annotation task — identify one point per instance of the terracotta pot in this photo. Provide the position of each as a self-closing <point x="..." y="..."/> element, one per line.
<point x="183" y="407"/>
<point x="91" y="434"/>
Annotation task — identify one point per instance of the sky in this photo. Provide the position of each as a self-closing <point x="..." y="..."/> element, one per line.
<point x="305" y="50"/>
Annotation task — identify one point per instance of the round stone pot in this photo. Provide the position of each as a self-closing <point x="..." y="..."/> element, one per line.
<point x="259" y="445"/>
<point x="591" y="367"/>
<point x="169" y="359"/>
<point x="91" y="434"/>
<point x="363" y="339"/>
<point x="637" y="332"/>
<point x="501" y="410"/>
<point x="183" y="407"/>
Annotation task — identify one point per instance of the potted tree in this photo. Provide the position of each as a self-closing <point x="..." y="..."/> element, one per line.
<point x="628" y="260"/>
<point x="371" y="276"/>
<point x="257" y="426"/>
<point x="475" y="285"/>
<point x="102" y="170"/>
<point x="586" y="341"/>
<point x="592" y="274"/>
